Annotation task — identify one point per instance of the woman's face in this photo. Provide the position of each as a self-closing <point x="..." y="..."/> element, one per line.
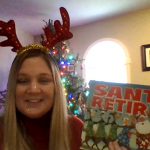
<point x="35" y="88"/>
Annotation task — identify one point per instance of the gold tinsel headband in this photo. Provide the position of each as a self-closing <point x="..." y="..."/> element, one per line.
<point x="33" y="47"/>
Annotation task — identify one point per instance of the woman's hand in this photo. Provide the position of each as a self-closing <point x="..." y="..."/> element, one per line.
<point x="115" y="146"/>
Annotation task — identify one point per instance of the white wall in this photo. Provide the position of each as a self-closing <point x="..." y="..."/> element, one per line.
<point x="7" y="56"/>
<point x="132" y="30"/>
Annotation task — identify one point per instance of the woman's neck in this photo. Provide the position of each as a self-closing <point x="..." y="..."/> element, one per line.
<point x="41" y="122"/>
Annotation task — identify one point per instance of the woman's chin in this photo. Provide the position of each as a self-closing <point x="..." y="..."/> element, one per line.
<point x="34" y="114"/>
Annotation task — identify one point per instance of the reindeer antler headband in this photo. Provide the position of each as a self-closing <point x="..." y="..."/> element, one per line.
<point x="61" y="33"/>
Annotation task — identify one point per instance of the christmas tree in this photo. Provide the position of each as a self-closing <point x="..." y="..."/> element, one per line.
<point x="74" y="86"/>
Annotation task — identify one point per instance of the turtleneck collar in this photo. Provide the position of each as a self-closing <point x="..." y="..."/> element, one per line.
<point x="38" y="130"/>
<point x="41" y="122"/>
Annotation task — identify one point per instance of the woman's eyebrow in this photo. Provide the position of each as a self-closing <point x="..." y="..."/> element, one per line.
<point x="46" y="74"/>
<point x="22" y="74"/>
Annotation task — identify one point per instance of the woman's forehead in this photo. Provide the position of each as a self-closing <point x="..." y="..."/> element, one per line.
<point x="35" y="64"/>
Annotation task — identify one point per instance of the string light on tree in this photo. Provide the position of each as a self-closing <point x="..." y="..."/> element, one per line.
<point x="73" y="84"/>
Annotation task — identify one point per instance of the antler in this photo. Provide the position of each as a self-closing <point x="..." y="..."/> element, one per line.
<point x="61" y="31"/>
<point x="8" y="29"/>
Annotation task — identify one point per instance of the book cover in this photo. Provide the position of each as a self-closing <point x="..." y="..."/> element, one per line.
<point x="117" y="111"/>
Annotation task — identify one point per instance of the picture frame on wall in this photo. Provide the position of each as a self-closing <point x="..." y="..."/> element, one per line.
<point x="145" y="54"/>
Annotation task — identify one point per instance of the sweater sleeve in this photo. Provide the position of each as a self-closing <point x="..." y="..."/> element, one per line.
<point x="76" y="126"/>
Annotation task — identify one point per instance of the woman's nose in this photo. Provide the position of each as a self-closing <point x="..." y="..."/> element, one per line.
<point x="34" y="87"/>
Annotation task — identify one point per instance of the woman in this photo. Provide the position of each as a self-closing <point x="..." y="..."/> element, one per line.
<point x="36" y="115"/>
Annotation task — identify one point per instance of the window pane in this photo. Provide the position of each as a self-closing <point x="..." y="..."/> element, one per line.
<point x="105" y="61"/>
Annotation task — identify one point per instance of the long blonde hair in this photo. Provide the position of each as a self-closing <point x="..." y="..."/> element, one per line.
<point x="13" y="135"/>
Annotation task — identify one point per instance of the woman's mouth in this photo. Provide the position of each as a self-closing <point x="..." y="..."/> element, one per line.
<point x="34" y="100"/>
<point x="33" y="103"/>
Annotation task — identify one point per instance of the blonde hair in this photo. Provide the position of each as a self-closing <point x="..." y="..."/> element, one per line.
<point x="14" y="137"/>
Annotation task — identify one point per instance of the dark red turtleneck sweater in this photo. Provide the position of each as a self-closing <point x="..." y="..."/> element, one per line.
<point x="76" y="129"/>
<point x="38" y="131"/>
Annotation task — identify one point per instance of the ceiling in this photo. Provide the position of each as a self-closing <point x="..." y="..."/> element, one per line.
<point x="30" y="15"/>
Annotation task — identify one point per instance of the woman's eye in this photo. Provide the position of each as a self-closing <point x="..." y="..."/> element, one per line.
<point x="44" y="81"/>
<point x="22" y="81"/>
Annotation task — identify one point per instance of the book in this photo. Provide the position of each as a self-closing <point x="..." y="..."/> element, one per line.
<point x="117" y="112"/>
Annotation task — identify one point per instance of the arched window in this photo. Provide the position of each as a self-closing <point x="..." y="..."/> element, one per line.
<point x="106" y="60"/>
